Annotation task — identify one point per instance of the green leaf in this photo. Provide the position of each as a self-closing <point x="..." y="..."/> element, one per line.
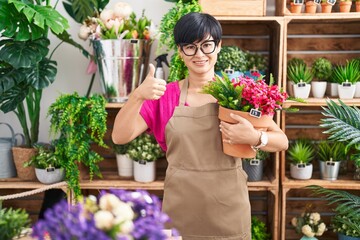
<point x="9" y="77"/>
<point x="80" y="10"/>
<point x="43" y="74"/>
<point x="10" y="99"/>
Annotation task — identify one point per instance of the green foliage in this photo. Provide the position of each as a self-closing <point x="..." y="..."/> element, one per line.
<point x="331" y="151"/>
<point x="120" y="148"/>
<point x="80" y="10"/>
<point x="299" y="73"/>
<point x="301" y="152"/>
<point x="178" y="69"/>
<point x="255" y="60"/>
<point x="81" y="122"/>
<point x="322" y="68"/>
<point x="350" y="72"/>
<point x="258" y="230"/>
<point x="231" y="57"/>
<point x="347" y="211"/>
<point x="44" y="158"/>
<point x="296" y="61"/>
<point x="145" y="147"/>
<point x="12" y="222"/>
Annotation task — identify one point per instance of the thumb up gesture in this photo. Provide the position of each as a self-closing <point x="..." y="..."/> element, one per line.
<point x="151" y="88"/>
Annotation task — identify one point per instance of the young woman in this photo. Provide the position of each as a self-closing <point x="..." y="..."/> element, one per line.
<point x="205" y="192"/>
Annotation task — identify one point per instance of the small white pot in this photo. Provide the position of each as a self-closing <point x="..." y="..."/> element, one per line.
<point x="302" y="91"/>
<point x="357" y="90"/>
<point x="50" y="176"/>
<point x="125" y="165"/>
<point x="144" y="171"/>
<point x="318" y="89"/>
<point x="332" y="90"/>
<point x="301" y="171"/>
<point x="346" y="92"/>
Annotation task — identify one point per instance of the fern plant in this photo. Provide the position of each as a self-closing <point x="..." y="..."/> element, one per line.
<point x="347" y="211"/>
<point x="81" y="122"/>
<point x="258" y="230"/>
<point x="301" y="152"/>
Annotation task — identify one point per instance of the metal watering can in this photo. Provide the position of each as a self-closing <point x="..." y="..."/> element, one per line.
<point x="7" y="167"/>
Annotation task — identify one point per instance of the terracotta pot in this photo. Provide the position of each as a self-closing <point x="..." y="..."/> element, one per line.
<point x="345" y="6"/>
<point x="357" y="7"/>
<point x="294" y="8"/>
<point x="242" y="150"/>
<point x="310" y="7"/>
<point x="326" y="8"/>
<point x="22" y="155"/>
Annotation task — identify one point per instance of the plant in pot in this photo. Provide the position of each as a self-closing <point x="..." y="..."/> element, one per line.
<point x="346" y="220"/>
<point x="301" y="76"/>
<point x="301" y="153"/>
<point x="231" y="60"/>
<point x="124" y="162"/>
<point x="259" y="230"/>
<point x="342" y="123"/>
<point x="326" y="5"/>
<point x="144" y="150"/>
<point x="346" y="76"/>
<point x="310" y="6"/>
<point x="345" y="5"/>
<point x="289" y="83"/>
<point x="48" y="167"/>
<point x="254" y="167"/>
<point x="330" y="155"/>
<point x="13" y="222"/>
<point x="296" y="6"/>
<point x="322" y="69"/>
<point x="309" y="224"/>
<point x="256" y="63"/>
<point x="357" y="7"/>
<point x="177" y="69"/>
<point x="80" y="123"/>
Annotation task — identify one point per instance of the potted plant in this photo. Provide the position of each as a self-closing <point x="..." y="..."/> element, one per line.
<point x="310" y="6"/>
<point x="326" y="5"/>
<point x="254" y="167"/>
<point x="301" y="77"/>
<point x="236" y="96"/>
<point x="13" y="222"/>
<point x="48" y="167"/>
<point x="345" y="5"/>
<point x="346" y="76"/>
<point x="124" y="162"/>
<point x="80" y="122"/>
<point x="258" y="230"/>
<point x="309" y="224"/>
<point x="144" y="150"/>
<point x="357" y="7"/>
<point x="256" y="62"/>
<point x="296" y="6"/>
<point x="289" y="83"/>
<point x="231" y="60"/>
<point x="301" y="153"/>
<point x="330" y="155"/>
<point x="177" y="69"/>
<point x="347" y="212"/>
<point x="322" y="69"/>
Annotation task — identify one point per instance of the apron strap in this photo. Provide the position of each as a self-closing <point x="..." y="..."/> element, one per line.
<point x="183" y="93"/>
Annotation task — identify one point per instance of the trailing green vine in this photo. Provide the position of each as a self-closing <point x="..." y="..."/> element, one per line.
<point x="81" y="122"/>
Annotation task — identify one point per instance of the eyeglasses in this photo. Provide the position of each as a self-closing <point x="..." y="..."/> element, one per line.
<point x="190" y="49"/>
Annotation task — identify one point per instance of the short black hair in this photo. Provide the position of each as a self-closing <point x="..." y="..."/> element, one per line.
<point x="196" y="26"/>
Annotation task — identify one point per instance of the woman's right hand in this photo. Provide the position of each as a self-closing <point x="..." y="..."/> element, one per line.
<point x="151" y="88"/>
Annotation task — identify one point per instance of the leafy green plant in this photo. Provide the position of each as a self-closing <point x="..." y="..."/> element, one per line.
<point x="13" y="222"/>
<point x="322" y="68"/>
<point x="257" y="61"/>
<point x="120" y="148"/>
<point x="260" y="155"/>
<point x="296" y="61"/>
<point x="145" y="147"/>
<point x="299" y="73"/>
<point x="231" y="57"/>
<point x="347" y="211"/>
<point x="259" y="230"/>
<point x="350" y="72"/>
<point x="301" y="152"/>
<point x="44" y="158"/>
<point x="81" y="122"/>
<point x="177" y="69"/>
<point x="331" y="151"/>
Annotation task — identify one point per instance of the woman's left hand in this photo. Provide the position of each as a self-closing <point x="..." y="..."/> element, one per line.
<point x="241" y="132"/>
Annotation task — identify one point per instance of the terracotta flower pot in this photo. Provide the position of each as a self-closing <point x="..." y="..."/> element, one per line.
<point x="295" y="8"/>
<point x="310" y="7"/>
<point x="357" y="6"/>
<point x="326" y="8"/>
<point x="345" y="6"/>
<point x="242" y="150"/>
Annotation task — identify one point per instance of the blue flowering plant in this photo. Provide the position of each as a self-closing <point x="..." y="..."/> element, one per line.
<point x="114" y="215"/>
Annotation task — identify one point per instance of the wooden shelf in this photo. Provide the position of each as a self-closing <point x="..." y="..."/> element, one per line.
<point x="322" y="16"/>
<point x="336" y="184"/>
<point x="320" y="102"/>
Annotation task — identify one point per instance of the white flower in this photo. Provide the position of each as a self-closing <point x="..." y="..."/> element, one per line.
<point x="104" y="220"/>
<point x="315" y="217"/>
<point x="109" y="202"/>
<point x="106" y="15"/>
<point x="84" y="32"/>
<point x="122" y="10"/>
<point x="127" y="226"/>
<point x="321" y="229"/>
<point x="306" y="229"/>
<point x="294" y="221"/>
<point x="123" y="212"/>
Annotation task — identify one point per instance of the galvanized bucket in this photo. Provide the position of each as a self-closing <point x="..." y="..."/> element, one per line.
<point x="122" y="66"/>
<point x="7" y="167"/>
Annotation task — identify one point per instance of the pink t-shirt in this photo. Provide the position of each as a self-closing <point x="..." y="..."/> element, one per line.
<point x="157" y="113"/>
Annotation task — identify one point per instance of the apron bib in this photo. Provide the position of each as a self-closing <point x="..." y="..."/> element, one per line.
<point x="205" y="191"/>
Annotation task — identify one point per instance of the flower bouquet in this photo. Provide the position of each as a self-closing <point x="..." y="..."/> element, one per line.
<point x="309" y="224"/>
<point x="116" y="214"/>
<point x="250" y="98"/>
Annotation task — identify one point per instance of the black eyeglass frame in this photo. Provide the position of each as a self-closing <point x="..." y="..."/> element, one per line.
<point x="197" y="47"/>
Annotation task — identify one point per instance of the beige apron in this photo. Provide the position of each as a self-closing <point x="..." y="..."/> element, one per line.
<point x="205" y="194"/>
